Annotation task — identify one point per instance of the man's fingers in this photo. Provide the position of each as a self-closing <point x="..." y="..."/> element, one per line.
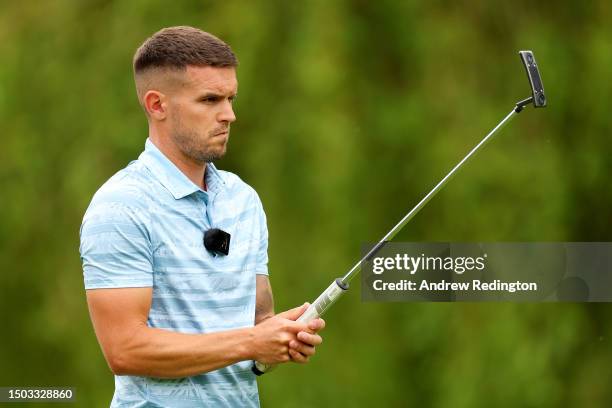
<point x="317" y="325"/>
<point x="305" y="349"/>
<point x="293" y="314"/>
<point x="297" y="357"/>
<point x="310" y="339"/>
<point x="295" y="327"/>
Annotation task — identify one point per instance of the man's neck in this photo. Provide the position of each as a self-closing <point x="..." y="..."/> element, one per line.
<point x="193" y="170"/>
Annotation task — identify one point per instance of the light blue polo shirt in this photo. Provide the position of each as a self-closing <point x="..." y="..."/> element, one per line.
<point x="144" y="228"/>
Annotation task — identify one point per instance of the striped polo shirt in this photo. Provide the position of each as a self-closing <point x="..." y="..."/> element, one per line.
<point x="144" y="228"/>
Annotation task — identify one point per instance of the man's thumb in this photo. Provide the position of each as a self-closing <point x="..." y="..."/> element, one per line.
<point x="293" y="314"/>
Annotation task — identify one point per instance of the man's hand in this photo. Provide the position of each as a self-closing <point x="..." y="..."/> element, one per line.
<point x="273" y="335"/>
<point x="299" y="345"/>
<point x="303" y="348"/>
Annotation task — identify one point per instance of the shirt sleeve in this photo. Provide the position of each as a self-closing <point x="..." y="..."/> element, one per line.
<point x="115" y="246"/>
<point x="262" y="253"/>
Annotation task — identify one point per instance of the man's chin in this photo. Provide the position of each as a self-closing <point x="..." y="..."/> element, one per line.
<point x="214" y="156"/>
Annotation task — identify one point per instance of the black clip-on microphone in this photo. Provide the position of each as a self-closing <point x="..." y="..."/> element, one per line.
<point x="217" y="241"/>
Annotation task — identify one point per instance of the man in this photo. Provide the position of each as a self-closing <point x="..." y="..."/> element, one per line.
<point x="179" y="325"/>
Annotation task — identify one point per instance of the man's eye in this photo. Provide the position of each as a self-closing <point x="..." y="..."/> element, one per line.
<point x="216" y="99"/>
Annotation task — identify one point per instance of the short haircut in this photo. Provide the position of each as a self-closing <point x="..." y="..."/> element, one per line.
<point x="179" y="47"/>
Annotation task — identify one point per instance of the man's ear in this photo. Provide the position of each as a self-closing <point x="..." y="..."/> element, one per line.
<point x="155" y="104"/>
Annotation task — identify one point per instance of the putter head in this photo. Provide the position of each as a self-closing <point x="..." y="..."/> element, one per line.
<point x="537" y="89"/>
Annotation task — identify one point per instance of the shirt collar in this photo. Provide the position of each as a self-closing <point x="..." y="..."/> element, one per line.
<point x="172" y="178"/>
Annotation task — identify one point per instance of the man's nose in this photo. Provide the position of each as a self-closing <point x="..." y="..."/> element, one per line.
<point x="227" y="112"/>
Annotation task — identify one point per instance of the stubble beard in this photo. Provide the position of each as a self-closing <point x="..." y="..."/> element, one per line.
<point x="196" y="148"/>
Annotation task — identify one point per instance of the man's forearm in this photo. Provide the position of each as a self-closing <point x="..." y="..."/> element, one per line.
<point x="161" y="353"/>
<point x="264" y="304"/>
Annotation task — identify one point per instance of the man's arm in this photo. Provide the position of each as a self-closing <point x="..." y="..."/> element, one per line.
<point x="131" y="347"/>
<point x="264" y="301"/>
<point x="301" y="348"/>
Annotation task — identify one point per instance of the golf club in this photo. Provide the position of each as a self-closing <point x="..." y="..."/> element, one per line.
<point x="341" y="285"/>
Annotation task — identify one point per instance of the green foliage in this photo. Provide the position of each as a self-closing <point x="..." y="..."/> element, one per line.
<point x="349" y="111"/>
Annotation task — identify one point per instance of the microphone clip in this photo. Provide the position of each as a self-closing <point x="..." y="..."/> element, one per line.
<point x="217" y="241"/>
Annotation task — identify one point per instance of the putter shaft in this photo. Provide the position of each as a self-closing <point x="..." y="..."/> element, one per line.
<point x="398" y="227"/>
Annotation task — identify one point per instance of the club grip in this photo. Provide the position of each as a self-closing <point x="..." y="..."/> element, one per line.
<point x="316" y="309"/>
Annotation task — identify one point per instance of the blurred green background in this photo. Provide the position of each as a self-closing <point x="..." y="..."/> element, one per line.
<point x="349" y="112"/>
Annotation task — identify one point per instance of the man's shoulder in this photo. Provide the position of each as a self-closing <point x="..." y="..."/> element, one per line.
<point x="123" y="202"/>
<point x="130" y="187"/>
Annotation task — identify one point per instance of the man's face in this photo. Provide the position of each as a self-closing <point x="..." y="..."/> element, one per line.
<point x="200" y="112"/>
